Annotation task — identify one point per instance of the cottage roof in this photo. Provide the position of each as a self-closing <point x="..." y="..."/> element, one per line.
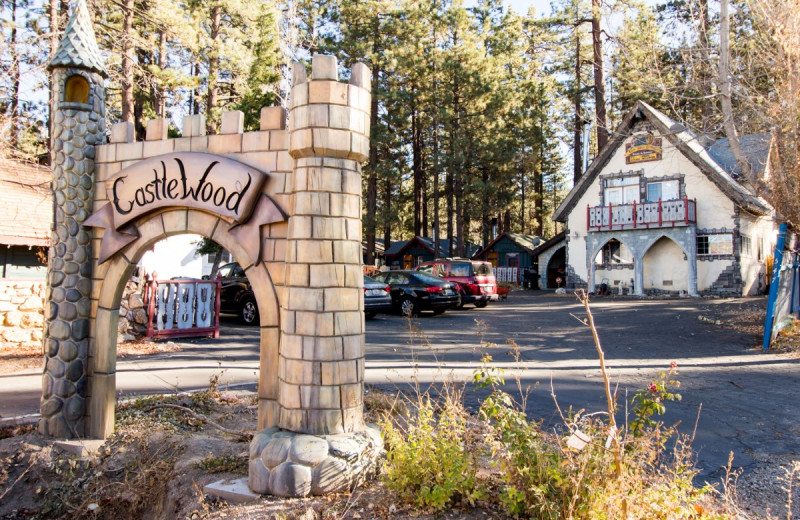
<point x="78" y="46"/>
<point x="755" y="147"/>
<point x="398" y="247"/>
<point x="684" y="140"/>
<point x="26" y="214"/>
<point x="549" y="243"/>
<point x="526" y="242"/>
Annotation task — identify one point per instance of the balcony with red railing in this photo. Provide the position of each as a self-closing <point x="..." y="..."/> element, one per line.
<point x="642" y="215"/>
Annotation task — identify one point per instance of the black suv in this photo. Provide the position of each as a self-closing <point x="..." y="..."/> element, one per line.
<point x="236" y="295"/>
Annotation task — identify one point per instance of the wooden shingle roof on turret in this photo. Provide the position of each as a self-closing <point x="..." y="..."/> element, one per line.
<point x="78" y="46"/>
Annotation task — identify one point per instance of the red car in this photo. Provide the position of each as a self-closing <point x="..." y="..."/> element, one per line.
<point x="475" y="278"/>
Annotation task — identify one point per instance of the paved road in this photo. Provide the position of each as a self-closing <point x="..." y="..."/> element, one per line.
<point x="747" y="402"/>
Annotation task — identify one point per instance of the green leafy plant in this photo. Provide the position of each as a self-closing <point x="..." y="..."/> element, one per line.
<point x="430" y="463"/>
<point x="650" y="401"/>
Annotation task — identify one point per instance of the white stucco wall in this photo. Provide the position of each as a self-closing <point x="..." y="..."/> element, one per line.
<point x="665" y="267"/>
<point x="761" y="231"/>
<point x="714" y="209"/>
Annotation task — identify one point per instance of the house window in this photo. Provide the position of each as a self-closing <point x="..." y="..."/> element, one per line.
<point x="621" y="190"/>
<point x="715" y="245"/>
<point x="747" y="246"/>
<point x="662" y="190"/>
<point x="702" y="245"/>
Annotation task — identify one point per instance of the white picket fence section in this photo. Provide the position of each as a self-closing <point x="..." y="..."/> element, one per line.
<point x="507" y="274"/>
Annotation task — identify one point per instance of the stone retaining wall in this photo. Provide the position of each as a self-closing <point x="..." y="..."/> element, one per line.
<point x="21" y="312"/>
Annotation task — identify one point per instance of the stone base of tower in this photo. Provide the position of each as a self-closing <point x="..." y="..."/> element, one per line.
<point x="289" y="464"/>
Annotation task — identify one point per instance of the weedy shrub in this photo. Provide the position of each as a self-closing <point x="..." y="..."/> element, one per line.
<point x="575" y="476"/>
<point x="224" y="464"/>
<point x="431" y="461"/>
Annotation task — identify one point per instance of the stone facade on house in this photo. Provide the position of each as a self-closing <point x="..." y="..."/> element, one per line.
<point x="21" y="312"/>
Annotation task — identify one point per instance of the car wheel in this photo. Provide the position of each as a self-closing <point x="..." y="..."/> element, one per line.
<point x="439" y="311"/>
<point x="408" y="307"/>
<point x="248" y="312"/>
<point x="369" y="315"/>
<point x="482" y="304"/>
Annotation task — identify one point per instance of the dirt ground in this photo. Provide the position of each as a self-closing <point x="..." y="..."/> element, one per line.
<point x="157" y="462"/>
<point x="16" y="358"/>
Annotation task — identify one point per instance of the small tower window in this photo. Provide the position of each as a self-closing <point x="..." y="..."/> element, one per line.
<point x="76" y="90"/>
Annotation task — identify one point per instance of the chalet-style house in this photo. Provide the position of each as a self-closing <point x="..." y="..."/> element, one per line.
<point x="407" y="254"/>
<point x="661" y="209"/>
<point x="26" y="216"/>
<point x="510" y="250"/>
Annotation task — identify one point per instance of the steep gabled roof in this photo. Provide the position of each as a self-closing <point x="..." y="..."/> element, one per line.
<point x="547" y="245"/>
<point x="78" y="46"/>
<point x="755" y="147"/>
<point x="398" y="247"/>
<point x="684" y="140"/>
<point x="26" y="214"/>
<point x="526" y="242"/>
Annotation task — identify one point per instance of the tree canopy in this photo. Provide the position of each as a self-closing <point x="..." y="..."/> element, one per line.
<point x="481" y="116"/>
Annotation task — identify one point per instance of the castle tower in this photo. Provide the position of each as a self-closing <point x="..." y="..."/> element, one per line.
<point x="321" y="444"/>
<point x="78" y="126"/>
<point x="322" y="353"/>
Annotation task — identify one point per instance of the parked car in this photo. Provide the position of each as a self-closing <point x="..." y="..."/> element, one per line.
<point x="414" y="291"/>
<point x="475" y="278"/>
<point x="377" y="297"/>
<point x="236" y="294"/>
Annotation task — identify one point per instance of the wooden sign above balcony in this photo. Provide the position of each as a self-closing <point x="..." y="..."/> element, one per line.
<point x="643" y="148"/>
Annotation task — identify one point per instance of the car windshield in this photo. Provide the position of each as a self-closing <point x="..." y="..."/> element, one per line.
<point x="460" y="269"/>
<point x="482" y="269"/>
<point x="427" y="278"/>
<point x="368" y="279"/>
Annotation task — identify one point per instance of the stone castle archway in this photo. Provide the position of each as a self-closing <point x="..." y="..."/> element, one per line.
<point x="111" y="279"/>
<point x="285" y="203"/>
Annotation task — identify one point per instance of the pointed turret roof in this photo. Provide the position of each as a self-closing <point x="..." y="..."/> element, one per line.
<point x="78" y="47"/>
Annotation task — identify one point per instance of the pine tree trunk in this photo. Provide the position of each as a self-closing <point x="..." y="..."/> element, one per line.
<point x="416" y="166"/>
<point x="436" y="224"/>
<point x="599" y="81"/>
<point x="126" y="80"/>
<point x="577" y="169"/>
<point x="387" y="209"/>
<point x="213" y="71"/>
<point x="160" y="90"/>
<point x="372" y="172"/>
<point x="14" y="105"/>
<point x="725" y="98"/>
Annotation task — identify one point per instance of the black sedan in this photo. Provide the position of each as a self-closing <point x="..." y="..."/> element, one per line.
<point x="413" y="291"/>
<point x="236" y="296"/>
<point x="377" y="297"/>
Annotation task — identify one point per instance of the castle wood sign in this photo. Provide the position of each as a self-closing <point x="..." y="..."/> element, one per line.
<point x="221" y="186"/>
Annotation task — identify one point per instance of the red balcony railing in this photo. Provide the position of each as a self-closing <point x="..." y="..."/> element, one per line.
<point x="663" y="213"/>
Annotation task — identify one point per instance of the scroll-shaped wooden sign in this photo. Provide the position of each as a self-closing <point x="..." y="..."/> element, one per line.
<point x="218" y="185"/>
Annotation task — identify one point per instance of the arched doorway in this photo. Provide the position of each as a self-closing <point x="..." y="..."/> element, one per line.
<point x="612" y="266"/>
<point x="556" y="267"/>
<point x="111" y="277"/>
<point x="665" y="267"/>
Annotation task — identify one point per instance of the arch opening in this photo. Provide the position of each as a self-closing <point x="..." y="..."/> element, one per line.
<point x="665" y="267"/>
<point x="112" y="277"/>
<point x="76" y="90"/>
<point x="613" y="266"/>
<point x="556" y="268"/>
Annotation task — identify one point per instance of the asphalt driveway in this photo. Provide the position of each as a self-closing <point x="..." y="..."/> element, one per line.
<point x="745" y="398"/>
